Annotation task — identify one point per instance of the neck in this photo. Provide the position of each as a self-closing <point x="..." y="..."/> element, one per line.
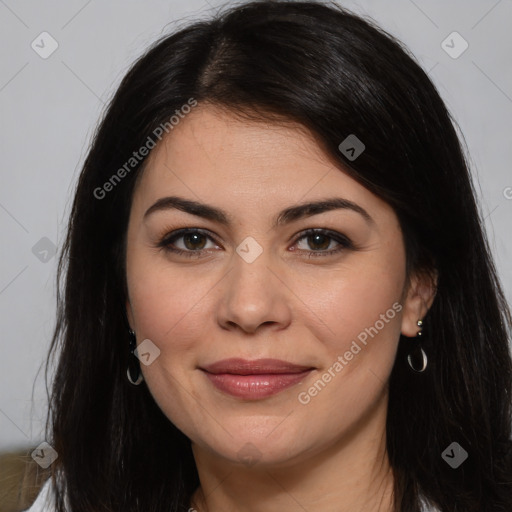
<point x="350" y="474"/>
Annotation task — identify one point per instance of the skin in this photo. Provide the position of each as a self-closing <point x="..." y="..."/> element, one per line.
<point x="329" y="454"/>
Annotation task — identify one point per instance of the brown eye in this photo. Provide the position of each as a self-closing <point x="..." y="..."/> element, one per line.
<point x="187" y="242"/>
<point x="321" y="242"/>
<point x="194" y="241"/>
<point x="318" y="241"/>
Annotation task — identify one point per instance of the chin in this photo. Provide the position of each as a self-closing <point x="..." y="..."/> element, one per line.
<point x="261" y="448"/>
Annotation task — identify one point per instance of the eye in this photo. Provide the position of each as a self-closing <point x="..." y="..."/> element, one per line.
<point x="320" y="240"/>
<point x="193" y="242"/>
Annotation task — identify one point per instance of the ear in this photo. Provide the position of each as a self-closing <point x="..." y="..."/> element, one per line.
<point x="419" y="297"/>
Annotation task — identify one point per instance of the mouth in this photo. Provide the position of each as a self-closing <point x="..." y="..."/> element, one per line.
<point x="257" y="379"/>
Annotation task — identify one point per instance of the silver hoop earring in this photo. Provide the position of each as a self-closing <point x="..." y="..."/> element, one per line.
<point x="418" y="351"/>
<point x="133" y="372"/>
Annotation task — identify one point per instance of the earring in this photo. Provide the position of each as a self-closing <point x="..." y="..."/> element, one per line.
<point x="133" y="371"/>
<point x="418" y="354"/>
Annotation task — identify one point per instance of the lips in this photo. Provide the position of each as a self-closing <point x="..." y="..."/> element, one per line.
<point x="254" y="380"/>
<point x="238" y="366"/>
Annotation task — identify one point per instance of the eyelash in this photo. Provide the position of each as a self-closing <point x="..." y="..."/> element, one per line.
<point x="167" y="241"/>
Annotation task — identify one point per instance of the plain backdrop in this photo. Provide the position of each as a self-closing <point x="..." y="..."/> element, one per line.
<point x="50" y="107"/>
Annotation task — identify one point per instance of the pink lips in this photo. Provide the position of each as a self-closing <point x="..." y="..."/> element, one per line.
<point x="254" y="379"/>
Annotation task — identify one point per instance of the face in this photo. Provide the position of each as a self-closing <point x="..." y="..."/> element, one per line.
<point x="320" y="289"/>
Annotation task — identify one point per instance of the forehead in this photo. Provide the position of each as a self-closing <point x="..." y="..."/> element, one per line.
<point x="219" y="138"/>
<point x="217" y="157"/>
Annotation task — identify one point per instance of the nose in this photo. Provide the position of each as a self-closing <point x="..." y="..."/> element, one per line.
<point x="254" y="296"/>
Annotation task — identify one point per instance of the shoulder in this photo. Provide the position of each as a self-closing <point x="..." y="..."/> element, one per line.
<point x="426" y="507"/>
<point x="44" y="502"/>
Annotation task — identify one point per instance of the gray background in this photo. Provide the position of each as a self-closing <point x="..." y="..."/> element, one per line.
<point x="49" y="108"/>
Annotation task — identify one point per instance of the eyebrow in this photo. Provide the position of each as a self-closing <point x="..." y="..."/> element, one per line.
<point x="286" y="216"/>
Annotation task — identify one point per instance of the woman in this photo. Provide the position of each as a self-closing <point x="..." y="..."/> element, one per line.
<point x="279" y="294"/>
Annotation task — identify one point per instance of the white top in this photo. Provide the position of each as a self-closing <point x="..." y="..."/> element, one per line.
<point x="44" y="501"/>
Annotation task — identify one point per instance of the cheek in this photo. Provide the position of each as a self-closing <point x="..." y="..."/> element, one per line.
<point x="360" y="311"/>
<point x="168" y="307"/>
<point x="352" y="301"/>
<point x="164" y="299"/>
<point x="360" y="328"/>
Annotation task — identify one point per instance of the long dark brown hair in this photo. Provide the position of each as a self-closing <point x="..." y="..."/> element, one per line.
<point x="336" y="74"/>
